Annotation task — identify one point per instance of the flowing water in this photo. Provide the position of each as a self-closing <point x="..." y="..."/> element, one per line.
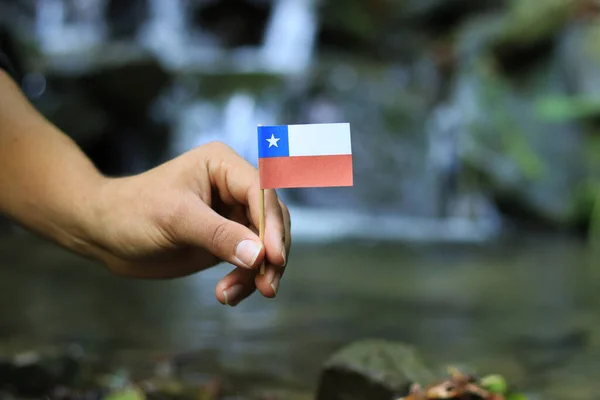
<point x="516" y="308"/>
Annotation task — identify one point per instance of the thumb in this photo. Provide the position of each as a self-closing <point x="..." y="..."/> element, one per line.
<point x="228" y="240"/>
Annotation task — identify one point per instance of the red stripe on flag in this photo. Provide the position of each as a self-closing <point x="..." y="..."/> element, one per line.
<point x="305" y="171"/>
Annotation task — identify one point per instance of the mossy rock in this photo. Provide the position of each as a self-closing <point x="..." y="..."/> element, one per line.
<point x="534" y="20"/>
<point x="372" y="370"/>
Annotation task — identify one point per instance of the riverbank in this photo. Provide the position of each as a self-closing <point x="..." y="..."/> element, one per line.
<point x="519" y="306"/>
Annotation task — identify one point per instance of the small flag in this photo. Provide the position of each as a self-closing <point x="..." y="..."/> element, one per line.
<point x="312" y="155"/>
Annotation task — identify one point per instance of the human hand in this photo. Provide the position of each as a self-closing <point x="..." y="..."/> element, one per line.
<point x="188" y="215"/>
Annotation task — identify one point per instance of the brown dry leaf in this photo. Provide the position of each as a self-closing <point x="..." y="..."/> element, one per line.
<point x="459" y="386"/>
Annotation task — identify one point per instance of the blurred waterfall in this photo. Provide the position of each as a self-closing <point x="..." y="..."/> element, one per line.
<point x="286" y="52"/>
<point x="234" y="123"/>
<point x="290" y="37"/>
<point x="166" y="30"/>
<point x="59" y="32"/>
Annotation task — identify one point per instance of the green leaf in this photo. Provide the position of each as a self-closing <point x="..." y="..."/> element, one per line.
<point x="567" y="108"/>
<point x="515" y="396"/>
<point x="494" y="383"/>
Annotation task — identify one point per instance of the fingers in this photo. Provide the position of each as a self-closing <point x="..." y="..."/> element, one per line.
<point x="274" y="240"/>
<point x="235" y="287"/>
<point x="196" y="224"/>
<point x="237" y="182"/>
<point x="268" y="284"/>
<point x="287" y="223"/>
<point x="235" y="179"/>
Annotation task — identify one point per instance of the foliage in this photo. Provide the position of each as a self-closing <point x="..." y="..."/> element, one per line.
<point x="533" y="20"/>
<point x="461" y="386"/>
<point x="567" y="108"/>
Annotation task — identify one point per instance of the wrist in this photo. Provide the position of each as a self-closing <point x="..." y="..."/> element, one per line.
<point x="93" y="237"/>
<point x="81" y="231"/>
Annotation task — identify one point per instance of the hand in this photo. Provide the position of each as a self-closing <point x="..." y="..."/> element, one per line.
<point x="188" y="215"/>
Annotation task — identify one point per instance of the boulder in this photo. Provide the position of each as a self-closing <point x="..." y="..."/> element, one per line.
<point x="387" y="108"/>
<point x="104" y="100"/>
<point x="533" y="166"/>
<point x="126" y="17"/>
<point x="372" y="370"/>
<point x="392" y="30"/>
<point x="233" y="23"/>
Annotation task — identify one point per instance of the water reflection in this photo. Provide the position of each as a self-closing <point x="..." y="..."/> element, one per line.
<point x="454" y="304"/>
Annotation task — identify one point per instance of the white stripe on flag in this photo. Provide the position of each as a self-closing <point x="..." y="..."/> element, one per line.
<point x="319" y="139"/>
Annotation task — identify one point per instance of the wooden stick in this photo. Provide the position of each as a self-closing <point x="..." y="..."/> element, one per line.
<point x="261" y="227"/>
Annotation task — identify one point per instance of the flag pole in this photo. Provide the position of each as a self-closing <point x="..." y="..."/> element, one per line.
<point x="261" y="227"/>
<point x="261" y="224"/>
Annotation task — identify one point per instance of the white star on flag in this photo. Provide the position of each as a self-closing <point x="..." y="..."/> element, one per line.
<point x="273" y="141"/>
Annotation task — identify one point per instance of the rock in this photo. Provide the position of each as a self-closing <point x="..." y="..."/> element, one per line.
<point x="127" y="90"/>
<point x="392" y="30"/>
<point x="530" y="21"/>
<point x="122" y="78"/>
<point x="387" y="108"/>
<point x="581" y="60"/>
<point x="442" y="16"/>
<point x="531" y="166"/>
<point x="529" y="33"/>
<point x="125" y="17"/>
<point x="105" y="105"/>
<point x="372" y="370"/>
<point x="234" y="23"/>
<point x="41" y="373"/>
<point x="30" y="380"/>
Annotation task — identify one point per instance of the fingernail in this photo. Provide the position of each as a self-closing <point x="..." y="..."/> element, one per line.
<point x="270" y="274"/>
<point x="284" y="255"/>
<point x="275" y="283"/>
<point x="247" y="252"/>
<point x="232" y="295"/>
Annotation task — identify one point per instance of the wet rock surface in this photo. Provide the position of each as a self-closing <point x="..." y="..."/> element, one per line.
<point x="68" y="373"/>
<point x="372" y="369"/>
<point x="363" y="370"/>
<point x="105" y="105"/>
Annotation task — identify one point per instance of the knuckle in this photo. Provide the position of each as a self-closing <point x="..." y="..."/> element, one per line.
<point x="220" y="235"/>
<point x="175" y="215"/>
<point x="218" y="147"/>
<point x="172" y="221"/>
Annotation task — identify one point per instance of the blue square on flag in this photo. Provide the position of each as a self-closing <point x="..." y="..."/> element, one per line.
<point x="273" y="141"/>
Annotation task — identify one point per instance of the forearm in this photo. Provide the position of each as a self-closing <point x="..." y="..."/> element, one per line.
<point x="47" y="184"/>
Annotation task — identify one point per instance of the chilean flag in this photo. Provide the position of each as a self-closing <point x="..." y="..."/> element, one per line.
<point x="313" y="155"/>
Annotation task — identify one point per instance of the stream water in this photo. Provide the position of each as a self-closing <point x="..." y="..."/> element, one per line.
<point x="522" y="309"/>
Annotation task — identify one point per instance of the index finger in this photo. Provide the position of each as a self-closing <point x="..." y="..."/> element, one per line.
<point x="238" y="182"/>
<point x="235" y="179"/>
